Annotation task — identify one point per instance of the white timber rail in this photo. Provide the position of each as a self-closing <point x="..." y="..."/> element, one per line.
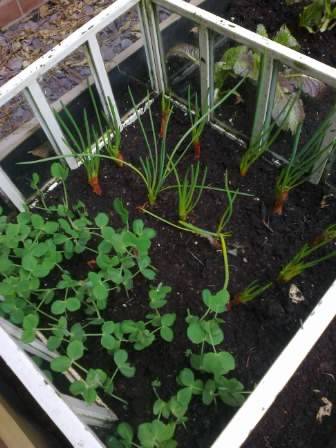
<point x="256" y="406"/>
<point x="58" y="409"/>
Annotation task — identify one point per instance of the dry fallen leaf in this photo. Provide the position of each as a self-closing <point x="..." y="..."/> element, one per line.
<point x="44" y="10"/>
<point x="295" y="294"/>
<point x="41" y="151"/>
<point x="325" y="202"/>
<point x="325" y="409"/>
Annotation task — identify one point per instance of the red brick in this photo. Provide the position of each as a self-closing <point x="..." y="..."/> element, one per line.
<point x="9" y="11"/>
<point x="29" y="5"/>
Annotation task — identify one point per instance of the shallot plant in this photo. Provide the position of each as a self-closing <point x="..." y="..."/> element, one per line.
<point x="155" y="166"/>
<point x="302" y="163"/>
<point x="189" y="190"/>
<point x="304" y="260"/>
<point x="85" y="146"/>
<point x="266" y="138"/>
<point x="197" y="129"/>
<point x="159" y="163"/>
<point x="166" y="110"/>
<point x="227" y="215"/>
<point x="328" y="235"/>
<point x="251" y="292"/>
<point x="112" y="136"/>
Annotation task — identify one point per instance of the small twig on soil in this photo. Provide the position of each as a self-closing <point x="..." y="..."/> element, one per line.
<point x="196" y="258"/>
<point x="249" y="356"/>
<point x="265" y="217"/>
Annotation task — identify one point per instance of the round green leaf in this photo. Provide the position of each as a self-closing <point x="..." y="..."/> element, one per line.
<point x="73" y="304"/>
<point x="58" y="307"/>
<point x="216" y="302"/>
<point x="77" y="387"/>
<point x="37" y="221"/>
<point x="101" y="220"/>
<point x="60" y="364"/>
<point x="148" y="273"/>
<point x="208" y="393"/>
<point x="75" y="350"/>
<point x="109" y="342"/>
<point x="138" y="226"/>
<point x="218" y="363"/>
<point x="28" y="336"/>
<point x="58" y="170"/>
<point x="168" y="319"/>
<point x="186" y="377"/>
<point x="126" y="432"/>
<point x="196" y="333"/>
<point x="90" y="395"/>
<point x="167" y="334"/>
<point x="108" y="327"/>
<point x="214" y="334"/>
<point x="54" y="342"/>
<point x="120" y="357"/>
<point x="30" y="322"/>
<point x="100" y="291"/>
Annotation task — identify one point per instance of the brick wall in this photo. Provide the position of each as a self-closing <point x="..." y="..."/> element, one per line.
<point x="11" y="10"/>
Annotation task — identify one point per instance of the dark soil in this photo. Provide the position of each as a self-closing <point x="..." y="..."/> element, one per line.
<point x="254" y="333"/>
<point x="292" y="421"/>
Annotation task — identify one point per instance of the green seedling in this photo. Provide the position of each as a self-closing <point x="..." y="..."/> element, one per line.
<point x="74" y="352"/>
<point x="231" y="196"/>
<point x="124" y="437"/>
<point x="317" y="15"/>
<point x="266" y="138"/>
<point x="302" y="163"/>
<point x="251" y="292"/>
<point x="201" y="330"/>
<point x="85" y="145"/>
<point x="166" y="111"/>
<point x="195" y="116"/>
<point x="112" y="136"/>
<point x="157" y="434"/>
<point x="302" y="260"/>
<point x="154" y="166"/>
<point x="35" y="185"/>
<point x="157" y="166"/>
<point x="189" y="190"/>
<point x="327" y="236"/>
<point x="60" y="172"/>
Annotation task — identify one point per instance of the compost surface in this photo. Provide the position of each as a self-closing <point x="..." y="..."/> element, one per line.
<point x="260" y="245"/>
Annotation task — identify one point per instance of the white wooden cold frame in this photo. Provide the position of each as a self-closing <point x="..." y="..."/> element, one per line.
<point x="27" y="83"/>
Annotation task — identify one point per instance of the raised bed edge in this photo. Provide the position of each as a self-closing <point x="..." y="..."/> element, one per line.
<point x="279" y="374"/>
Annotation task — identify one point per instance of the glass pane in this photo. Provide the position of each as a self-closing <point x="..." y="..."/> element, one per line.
<point x="231" y="63"/>
<point x="36" y="148"/>
<point x="125" y="59"/>
<point x="66" y="75"/>
<point x="310" y="103"/>
<point x="13" y="115"/>
<point x="181" y="53"/>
